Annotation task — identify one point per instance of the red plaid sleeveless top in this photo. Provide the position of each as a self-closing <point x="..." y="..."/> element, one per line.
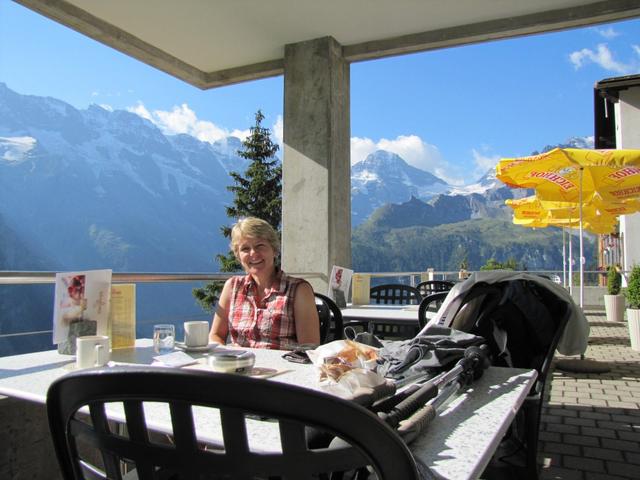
<point x="266" y="324"/>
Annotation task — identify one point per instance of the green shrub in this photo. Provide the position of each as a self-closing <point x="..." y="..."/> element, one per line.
<point x="207" y="296"/>
<point x="633" y="289"/>
<point x="614" y="280"/>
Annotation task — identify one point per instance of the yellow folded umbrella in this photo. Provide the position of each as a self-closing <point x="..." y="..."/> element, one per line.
<point x="531" y="211"/>
<point x="578" y="176"/>
<point x="607" y="175"/>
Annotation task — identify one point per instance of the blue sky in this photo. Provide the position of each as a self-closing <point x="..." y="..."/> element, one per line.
<point x="452" y="112"/>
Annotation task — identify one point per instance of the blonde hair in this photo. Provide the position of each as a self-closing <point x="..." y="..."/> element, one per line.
<point x="253" y="227"/>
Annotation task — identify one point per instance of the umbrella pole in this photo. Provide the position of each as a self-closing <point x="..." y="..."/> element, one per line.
<point x="564" y="259"/>
<point x="570" y="262"/>
<point x="581" y="251"/>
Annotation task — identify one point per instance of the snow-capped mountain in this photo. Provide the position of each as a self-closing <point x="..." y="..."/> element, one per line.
<point x="98" y="188"/>
<point x="129" y="197"/>
<point x="384" y="177"/>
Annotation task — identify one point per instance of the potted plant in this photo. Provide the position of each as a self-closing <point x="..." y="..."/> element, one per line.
<point x="614" y="301"/>
<point x="633" y="307"/>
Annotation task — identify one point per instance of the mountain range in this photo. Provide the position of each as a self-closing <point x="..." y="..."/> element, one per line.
<point x="384" y="177"/>
<point x="95" y="188"/>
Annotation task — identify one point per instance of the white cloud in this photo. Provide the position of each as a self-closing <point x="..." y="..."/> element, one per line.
<point x="241" y="134"/>
<point x="278" y="131"/>
<point x="181" y="119"/>
<point x="411" y="148"/>
<point x="361" y="148"/>
<point x="607" y="33"/>
<point x="141" y="111"/>
<point x="15" y="149"/>
<point x="602" y="57"/>
<point x="483" y="161"/>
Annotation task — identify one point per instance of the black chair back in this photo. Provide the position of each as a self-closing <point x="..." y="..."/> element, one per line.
<point x="395" y="294"/>
<point x="239" y="402"/>
<point x="434" y="286"/>
<point x="430" y="303"/>
<point x="331" y="324"/>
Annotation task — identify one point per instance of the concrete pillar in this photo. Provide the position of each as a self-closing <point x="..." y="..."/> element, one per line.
<point x="316" y="211"/>
<point x="628" y="136"/>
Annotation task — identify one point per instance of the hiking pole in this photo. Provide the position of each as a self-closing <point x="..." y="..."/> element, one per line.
<point x="386" y="404"/>
<point x="468" y="369"/>
<point x="384" y="397"/>
<point x="414" y="410"/>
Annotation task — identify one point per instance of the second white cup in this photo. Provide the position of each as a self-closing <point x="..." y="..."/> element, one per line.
<point x="92" y="351"/>
<point x="196" y="333"/>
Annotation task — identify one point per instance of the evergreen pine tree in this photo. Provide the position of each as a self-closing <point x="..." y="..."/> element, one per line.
<point x="256" y="194"/>
<point x="259" y="192"/>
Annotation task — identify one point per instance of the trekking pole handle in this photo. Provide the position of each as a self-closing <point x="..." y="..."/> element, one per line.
<point x="410" y="428"/>
<point x="409" y="405"/>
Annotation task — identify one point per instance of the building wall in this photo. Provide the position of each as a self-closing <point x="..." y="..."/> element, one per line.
<point x="628" y="136"/>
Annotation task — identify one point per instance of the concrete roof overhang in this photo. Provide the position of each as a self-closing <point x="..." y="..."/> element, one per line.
<point x="214" y="43"/>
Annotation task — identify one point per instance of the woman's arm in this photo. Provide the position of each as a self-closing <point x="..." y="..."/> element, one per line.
<point x="306" y="315"/>
<point x="220" y="324"/>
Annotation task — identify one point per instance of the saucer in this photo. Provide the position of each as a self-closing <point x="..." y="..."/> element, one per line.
<point x="203" y="348"/>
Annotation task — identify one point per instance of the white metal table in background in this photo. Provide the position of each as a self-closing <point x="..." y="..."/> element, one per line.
<point x="392" y="314"/>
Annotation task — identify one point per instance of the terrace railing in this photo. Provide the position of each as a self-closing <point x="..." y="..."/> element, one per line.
<point x="16" y="339"/>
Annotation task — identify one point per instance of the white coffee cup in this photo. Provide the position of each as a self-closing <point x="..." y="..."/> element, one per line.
<point x="92" y="351"/>
<point x="196" y="333"/>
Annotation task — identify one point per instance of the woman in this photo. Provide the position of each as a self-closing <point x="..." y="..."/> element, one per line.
<point x="266" y="308"/>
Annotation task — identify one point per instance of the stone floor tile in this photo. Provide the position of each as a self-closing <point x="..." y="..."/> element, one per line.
<point x="562" y="448"/>
<point x="630" y="436"/>
<point x="615" y="425"/>
<point x="603" y="453"/>
<point x="546" y="436"/>
<point x="581" y="440"/>
<point x="584" y="464"/>
<point x="603" y="476"/>
<point x="598" y="432"/>
<point x="620" y="444"/>
<point x="595" y="415"/>
<point x="558" y="473"/>
<point x="623" y="469"/>
<point x="562" y="428"/>
<point x="581" y="422"/>
<point x="623" y="404"/>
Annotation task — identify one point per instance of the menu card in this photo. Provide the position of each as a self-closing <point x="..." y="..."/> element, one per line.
<point x="339" y="285"/>
<point x="81" y="307"/>
<point x="361" y="286"/>
<point x="122" y="316"/>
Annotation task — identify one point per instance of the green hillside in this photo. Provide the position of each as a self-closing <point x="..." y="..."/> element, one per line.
<point x="377" y="247"/>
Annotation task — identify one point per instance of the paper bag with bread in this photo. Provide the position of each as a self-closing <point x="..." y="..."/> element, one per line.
<point x="344" y="366"/>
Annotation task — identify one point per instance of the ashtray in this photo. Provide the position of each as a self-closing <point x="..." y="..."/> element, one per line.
<point x="232" y="361"/>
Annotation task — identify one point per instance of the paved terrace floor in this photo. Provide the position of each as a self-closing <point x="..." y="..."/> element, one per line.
<point x="590" y="427"/>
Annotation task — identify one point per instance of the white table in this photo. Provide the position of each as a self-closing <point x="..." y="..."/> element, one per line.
<point x="385" y="321"/>
<point x="457" y="445"/>
<point x="393" y="314"/>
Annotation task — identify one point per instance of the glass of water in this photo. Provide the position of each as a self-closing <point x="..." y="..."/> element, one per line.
<point x="164" y="338"/>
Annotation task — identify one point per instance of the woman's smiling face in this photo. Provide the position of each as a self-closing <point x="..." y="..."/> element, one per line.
<point x="256" y="255"/>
